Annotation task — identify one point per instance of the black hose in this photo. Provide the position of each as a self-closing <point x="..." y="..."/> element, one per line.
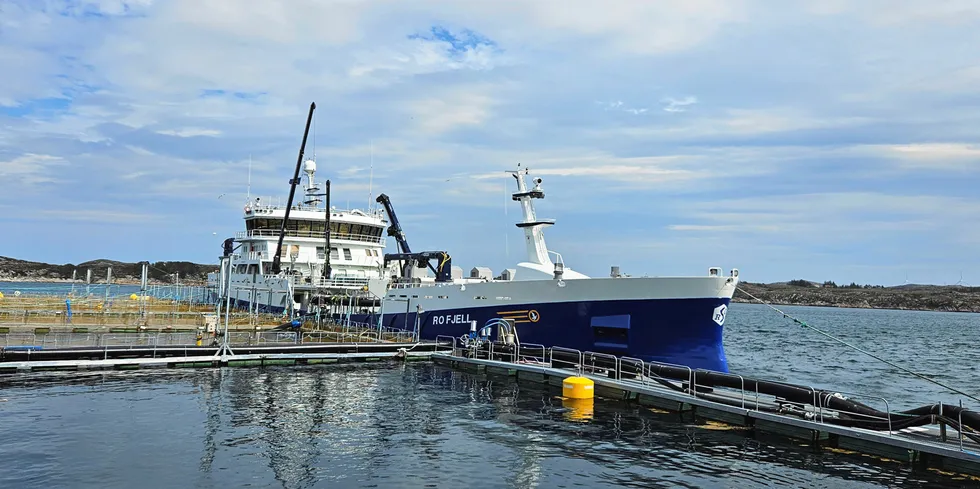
<point x="853" y="413"/>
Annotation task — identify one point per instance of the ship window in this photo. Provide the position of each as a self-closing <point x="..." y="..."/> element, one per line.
<point x="334" y="254"/>
<point x="268" y="223"/>
<point x="355" y="229"/>
<point x="443" y="296"/>
<point x="347" y="255"/>
<point x="344" y="228"/>
<point x="303" y="226"/>
<point x="250" y="224"/>
<point x="292" y="225"/>
<point x="367" y="251"/>
<point x="334" y="227"/>
<point x="428" y="297"/>
<point x="377" y="231"/>
<point x="317" y="227"/>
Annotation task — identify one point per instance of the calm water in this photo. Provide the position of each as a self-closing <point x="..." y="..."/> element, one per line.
<point x="421" y="425"/>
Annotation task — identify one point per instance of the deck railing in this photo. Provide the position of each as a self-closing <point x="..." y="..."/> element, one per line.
<point x="294" y="233"/>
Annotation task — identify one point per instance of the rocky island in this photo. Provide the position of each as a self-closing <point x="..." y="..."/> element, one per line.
<point x="952" y="298"/>
<point x="160" y="273"/>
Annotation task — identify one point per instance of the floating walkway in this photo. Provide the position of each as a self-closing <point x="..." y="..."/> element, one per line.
<point x="631" y="380"/>
<point x="21" y="359"/>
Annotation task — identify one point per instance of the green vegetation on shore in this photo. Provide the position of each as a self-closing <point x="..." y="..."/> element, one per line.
<point x="162" y="272"/>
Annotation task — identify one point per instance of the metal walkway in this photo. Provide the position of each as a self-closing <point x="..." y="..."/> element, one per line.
<point x="621" y="378"/>
<point x="128" y="357"/>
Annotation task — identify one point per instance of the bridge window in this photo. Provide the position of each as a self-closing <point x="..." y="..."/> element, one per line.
<point x="347" y="255"/>
<point x="334" y="254"/>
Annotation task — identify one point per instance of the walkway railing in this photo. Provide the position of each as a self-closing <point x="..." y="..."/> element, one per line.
<point x="635" y="370"/>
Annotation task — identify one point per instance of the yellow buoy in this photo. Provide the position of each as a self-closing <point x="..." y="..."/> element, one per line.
<point x="133" y="297"/>
<point x="578" y="388"/>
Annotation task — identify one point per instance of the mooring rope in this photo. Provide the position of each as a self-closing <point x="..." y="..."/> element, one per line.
<point x="872" y="355"/>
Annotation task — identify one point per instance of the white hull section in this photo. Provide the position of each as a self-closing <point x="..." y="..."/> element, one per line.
<point x="461" y="296"/>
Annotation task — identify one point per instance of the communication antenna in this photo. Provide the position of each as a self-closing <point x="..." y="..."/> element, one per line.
<point x="371" y="179"/>
<point x="248" y="189"/>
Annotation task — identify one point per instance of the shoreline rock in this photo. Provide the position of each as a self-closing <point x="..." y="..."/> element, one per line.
<point x="941" y="298"/>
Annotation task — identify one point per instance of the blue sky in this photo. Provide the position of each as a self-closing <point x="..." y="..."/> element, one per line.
<point x="833" y="140"/>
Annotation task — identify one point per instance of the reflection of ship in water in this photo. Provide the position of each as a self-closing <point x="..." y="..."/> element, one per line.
<point x="318" y="424"/>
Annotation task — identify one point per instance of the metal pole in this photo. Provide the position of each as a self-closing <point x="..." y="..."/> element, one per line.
<point x="224" y="339"/>
<point x="108" y="278"/>
<point x="143" y="280"/>
<point x="381" y="317"/>
<point x="326" y="234"/>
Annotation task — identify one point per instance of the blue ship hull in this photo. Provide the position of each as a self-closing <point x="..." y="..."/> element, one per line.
<point x="676" y="331"/>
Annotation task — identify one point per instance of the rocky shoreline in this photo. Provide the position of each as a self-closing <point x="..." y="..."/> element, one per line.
<point x="123" y="273"/>
<point x="946" y="298"/>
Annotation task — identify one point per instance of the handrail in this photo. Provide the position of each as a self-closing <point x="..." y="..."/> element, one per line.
<point x="334" y="236"/>
<point x="535" y="346"/>
<point x="581" y="366"/>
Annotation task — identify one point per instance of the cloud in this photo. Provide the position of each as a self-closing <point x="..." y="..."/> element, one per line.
<point x="188" y="132"/>
<point x="674" y="105"/>
<point x="30" y="169"/>
<point x="458" y="108"/>
<point x="932" y="156"/>
<point x="780" y="136"/>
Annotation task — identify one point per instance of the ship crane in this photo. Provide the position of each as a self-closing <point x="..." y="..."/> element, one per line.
<point x="395" y="230"/>
<point x="277" y="258"/>
<point x="443" y="270"/>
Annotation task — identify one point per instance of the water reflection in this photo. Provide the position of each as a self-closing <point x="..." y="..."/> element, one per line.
<point x="383" y="425"/>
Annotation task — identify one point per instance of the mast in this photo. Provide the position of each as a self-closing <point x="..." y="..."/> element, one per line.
<point x="537" y="250"/>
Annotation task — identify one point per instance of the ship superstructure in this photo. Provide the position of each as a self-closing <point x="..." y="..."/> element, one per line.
<point x="308" y="273"/>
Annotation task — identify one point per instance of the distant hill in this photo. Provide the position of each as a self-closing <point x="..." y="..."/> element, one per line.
<point x="161" y="272"/>
<point x="909" y="297"/>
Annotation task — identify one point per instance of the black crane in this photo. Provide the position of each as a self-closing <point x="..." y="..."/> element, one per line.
<point x="395" y="229"/>
<point x="277" y="258"/>
<point x="443" y="269"/>
<point x="405" y="256"/>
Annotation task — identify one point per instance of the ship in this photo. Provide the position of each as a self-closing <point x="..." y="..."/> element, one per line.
<point x="674" y="320"/>
<point x="336" y="269"/>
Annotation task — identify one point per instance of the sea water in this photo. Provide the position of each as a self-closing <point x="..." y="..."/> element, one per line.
<point x="394" y="424"/>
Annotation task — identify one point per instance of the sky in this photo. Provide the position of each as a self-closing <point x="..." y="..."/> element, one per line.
<point x="832" y="140"/>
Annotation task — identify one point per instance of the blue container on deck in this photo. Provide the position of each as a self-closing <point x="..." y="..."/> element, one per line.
<point x="23" y="348"/>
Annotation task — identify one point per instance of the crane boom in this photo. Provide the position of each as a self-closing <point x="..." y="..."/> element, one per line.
<point x="277" y="258"/>
<point x="395" y="229"/>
